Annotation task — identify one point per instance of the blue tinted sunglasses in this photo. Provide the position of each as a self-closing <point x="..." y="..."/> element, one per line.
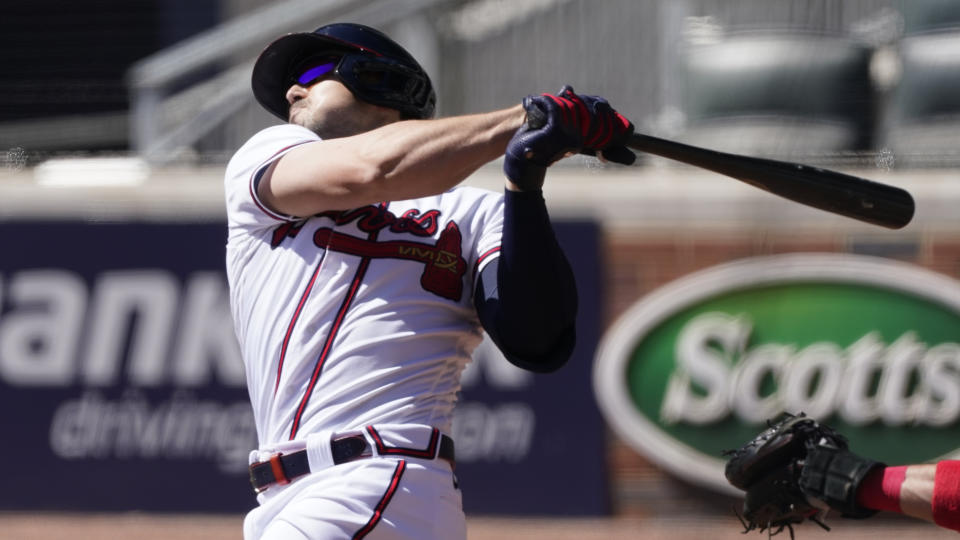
<point x="311" y="71"/>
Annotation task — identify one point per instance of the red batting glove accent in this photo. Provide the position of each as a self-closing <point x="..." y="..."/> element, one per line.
<point x="880" y="490"/>
<point x="602" y="133"/>
<point x="583" y="122"/>
<point x="946" y="495"/>
<point x="624" y="123"/>
<point x="567" y="110"/>
<point x="581" y="108"/>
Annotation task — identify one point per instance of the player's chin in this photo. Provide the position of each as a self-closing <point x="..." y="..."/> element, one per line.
<point x="298" y="113"/>
<point x="303" y="119"/>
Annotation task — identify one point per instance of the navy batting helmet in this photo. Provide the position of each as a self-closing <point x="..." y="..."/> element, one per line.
<point x="374" y="67"/>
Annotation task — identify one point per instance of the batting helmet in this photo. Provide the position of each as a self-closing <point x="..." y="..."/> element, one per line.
<point x="374" y="67"/>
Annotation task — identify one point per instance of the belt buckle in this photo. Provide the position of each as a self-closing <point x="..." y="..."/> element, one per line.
<point x="253" y="481"/>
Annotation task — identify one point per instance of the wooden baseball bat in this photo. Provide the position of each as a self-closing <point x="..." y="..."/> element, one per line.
<point x="843" y="194"/>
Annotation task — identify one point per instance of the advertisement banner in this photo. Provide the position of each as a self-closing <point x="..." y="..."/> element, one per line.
<point x="120" y="376"/>
<point x="870" y="346"/>
<point x="122" y="386"/>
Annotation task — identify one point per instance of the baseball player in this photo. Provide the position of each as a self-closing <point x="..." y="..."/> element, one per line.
<point x="361" y="277"/>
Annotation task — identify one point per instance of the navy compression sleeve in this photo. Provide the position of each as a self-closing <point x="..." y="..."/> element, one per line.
<point x="527" y="298"/>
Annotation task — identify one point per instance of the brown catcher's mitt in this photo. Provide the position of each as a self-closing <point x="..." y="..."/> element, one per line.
<point x="794" y="471"/>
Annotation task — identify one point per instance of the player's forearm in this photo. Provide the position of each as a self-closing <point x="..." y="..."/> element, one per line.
<point x="423" y="156"/>
<point x="403" y="160"/>
<point x="929" y="492"/>
<point x="528" y="303"/>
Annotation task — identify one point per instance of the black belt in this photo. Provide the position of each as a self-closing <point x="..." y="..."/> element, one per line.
<point x="283" y="468"/>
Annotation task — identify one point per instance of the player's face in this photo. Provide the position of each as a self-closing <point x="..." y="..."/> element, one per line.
<point x="325" y="106"/>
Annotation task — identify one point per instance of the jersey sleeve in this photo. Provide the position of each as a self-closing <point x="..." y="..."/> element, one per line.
<point x="244" y="207"/>
<point x="487" y="247"/>
<point x="478" y="213"/>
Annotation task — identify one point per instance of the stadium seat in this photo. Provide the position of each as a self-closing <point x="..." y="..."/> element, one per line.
<point x="922" y="116"/>
<point x="779" y="95"/>
<point x="921" y="16"/>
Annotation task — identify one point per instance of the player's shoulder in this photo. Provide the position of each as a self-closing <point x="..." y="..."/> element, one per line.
<point x="276" y="138"/>
<point x="268" y="142"/>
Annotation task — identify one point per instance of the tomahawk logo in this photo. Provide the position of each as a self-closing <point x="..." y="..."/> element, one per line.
<point x="444" y="266"/>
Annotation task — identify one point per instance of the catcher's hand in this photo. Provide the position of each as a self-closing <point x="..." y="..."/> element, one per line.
<point x="794" y="471"/>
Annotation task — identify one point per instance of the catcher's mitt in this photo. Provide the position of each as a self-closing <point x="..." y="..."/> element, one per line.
<point x="793" y="471"/>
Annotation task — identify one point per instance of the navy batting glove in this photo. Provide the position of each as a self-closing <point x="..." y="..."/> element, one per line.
<point x="561" y="124"/>
<point x="543" y="139"/>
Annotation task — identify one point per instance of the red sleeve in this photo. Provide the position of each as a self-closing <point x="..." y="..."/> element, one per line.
<point x="946" y="495"/>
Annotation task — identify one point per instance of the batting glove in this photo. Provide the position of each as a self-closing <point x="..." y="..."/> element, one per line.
<point x="563" y="124"/>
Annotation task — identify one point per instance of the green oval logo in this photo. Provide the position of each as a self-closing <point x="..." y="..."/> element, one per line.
<point x="870" y="346"/>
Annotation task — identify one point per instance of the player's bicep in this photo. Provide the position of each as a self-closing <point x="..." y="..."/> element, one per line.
<point x="264" y="188"/>
<point x="318" y="176"/>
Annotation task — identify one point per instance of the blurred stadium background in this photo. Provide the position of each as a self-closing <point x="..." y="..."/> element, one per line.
<point x="117" y="118"/>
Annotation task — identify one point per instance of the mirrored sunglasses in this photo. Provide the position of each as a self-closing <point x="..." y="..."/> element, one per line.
<point x="313" y="70"/>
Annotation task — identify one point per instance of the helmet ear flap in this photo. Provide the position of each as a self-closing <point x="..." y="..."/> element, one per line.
<point x="386" y="82"/>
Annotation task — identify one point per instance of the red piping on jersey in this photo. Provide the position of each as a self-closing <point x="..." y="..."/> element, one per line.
<point x="383" y="449"/>
<point x="326" y="346"/>
<point x="384" y="501"/>
<point x="483" y="257"/>
<point x="486" y="254"/>
<point x="293" y="322"/>
<point x="341" y="313"/>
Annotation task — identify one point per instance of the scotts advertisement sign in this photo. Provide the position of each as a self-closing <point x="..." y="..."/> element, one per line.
<point x="870" y="346"/>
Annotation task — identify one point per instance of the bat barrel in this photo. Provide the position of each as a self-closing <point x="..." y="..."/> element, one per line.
<point x="839" y="193"/>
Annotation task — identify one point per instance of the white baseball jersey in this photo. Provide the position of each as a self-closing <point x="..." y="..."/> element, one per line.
<point x="357" y="317"/>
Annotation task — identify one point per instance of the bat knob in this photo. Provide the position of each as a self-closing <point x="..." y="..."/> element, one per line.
<point x="536" y="117"/>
